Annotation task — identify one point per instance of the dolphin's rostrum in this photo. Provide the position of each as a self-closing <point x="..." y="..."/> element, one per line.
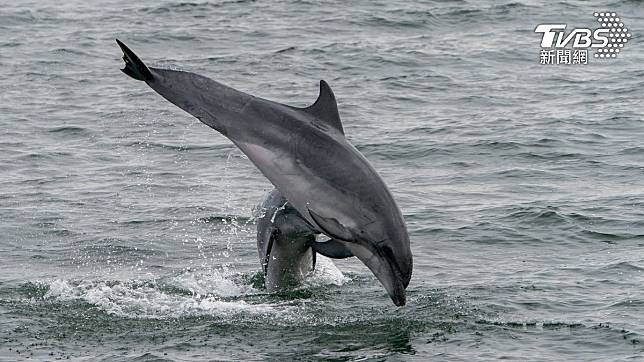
<point x="304" y="154"/>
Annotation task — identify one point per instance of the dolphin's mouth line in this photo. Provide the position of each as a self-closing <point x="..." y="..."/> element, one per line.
<point x="389" y="257"/>
<point x="385" y="267"/>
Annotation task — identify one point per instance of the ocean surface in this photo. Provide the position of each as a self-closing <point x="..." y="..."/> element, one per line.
<point x="127" y="229"/>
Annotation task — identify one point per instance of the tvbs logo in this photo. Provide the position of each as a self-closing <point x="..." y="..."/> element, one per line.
<point x="572" y="47"/>
<point x="581" y="38"/>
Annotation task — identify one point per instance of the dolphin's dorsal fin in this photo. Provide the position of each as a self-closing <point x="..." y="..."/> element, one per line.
<point x="325" y="108"/>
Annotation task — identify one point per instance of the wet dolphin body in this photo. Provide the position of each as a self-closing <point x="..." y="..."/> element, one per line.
<point x="304" y="154"/>
<point x="284" y="241"/>
<point x="287" y="244"/>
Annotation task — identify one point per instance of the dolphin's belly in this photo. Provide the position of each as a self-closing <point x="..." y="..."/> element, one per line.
<point x="329" y="178"/>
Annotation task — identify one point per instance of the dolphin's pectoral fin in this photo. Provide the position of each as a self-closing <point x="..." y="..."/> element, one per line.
<point x="325" y="108"/>
<point x="331" y="227"/>
<point x="267" y="251"/>
<point x="332" y="248"/>
<point x="134" y="67"/>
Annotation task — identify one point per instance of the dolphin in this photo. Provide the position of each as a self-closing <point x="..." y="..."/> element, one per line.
<point x="284" y="243"/>
<point x="287" y="244"/>
<point x="304" y="153"/>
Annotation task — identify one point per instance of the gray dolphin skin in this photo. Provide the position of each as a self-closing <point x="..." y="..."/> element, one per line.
<point x="303" y="152"/>
<point x="287" y="244"/>
<point x="284" y="243"/>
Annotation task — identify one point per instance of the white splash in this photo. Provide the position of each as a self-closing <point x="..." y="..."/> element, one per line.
<point x="325" y="273"/>
<point x="149" y="299"/>
<point x="191" y="293"/>
<point x="211" y="282"/>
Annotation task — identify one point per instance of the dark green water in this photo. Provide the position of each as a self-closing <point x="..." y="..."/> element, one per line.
<point x="126" y="230"/>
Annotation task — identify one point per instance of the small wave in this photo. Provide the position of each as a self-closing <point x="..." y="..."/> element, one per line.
<point x="515" y="173"/>
<point x="71" y="51"/>
<point x="414" y="21"/>
<point x="638" y="150"/>
<point x="286" y="50"/>
<point x="532" y="324"/>
<point x="196" y="7"/>
<point x="478" y="13"/>
<point x="581" y="222"/>
<point x="463" y="13"/>
<point x="427" y="130"/>
<point x="68" y="130"/>
<point x="178" y="147"/>
<point x="622" y="267"/>
<point x="499" y="145"/>
<point x="610" y="238"/>
<point x="626" y="335"/>
<point x="628" y="303"/>
<point x="225" y="219"/>
<point x="17" y="18"/>
<point x="401" y="150"/>
<point x="537" y="214"/>
<point x="141" y="221"/>
<point x="552" y="156"/>
<point x="10" y="44"/>
<point x="111" y="246"/>
<point x="44" y="155"/>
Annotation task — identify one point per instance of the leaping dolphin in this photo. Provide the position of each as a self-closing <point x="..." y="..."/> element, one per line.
<point x="304" y="154"/>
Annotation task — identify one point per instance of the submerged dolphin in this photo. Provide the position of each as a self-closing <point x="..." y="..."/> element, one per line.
<point x="284" y="243"/>
<point x="304" y="154"/>
<point x="287" y="244"/>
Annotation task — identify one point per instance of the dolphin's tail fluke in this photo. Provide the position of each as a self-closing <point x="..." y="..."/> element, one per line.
<point x="134" y="67"/>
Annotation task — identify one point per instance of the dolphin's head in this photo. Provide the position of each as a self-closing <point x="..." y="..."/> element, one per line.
<point x="391" y="262"/>
<point x="383" y="246"/>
